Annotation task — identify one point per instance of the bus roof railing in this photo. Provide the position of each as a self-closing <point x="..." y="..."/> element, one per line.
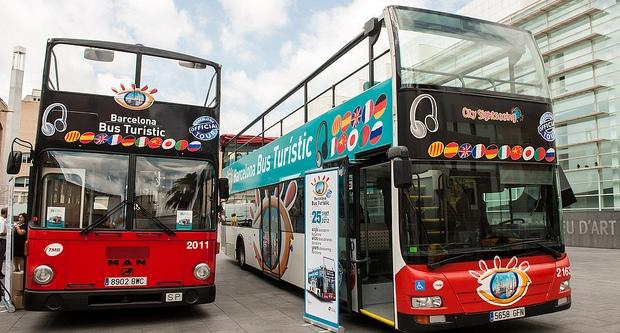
<point x="133" y="48"/>
<point x="370" y="29"/>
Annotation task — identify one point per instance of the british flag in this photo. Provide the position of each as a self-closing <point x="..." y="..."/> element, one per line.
<point x="100" y="138"/>
<point x="465" y="150"/>
<point x="356" y="117"/>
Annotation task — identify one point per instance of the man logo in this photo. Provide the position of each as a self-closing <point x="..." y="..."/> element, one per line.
<point x="502" y="286"/>
<point x="126" y="271"/>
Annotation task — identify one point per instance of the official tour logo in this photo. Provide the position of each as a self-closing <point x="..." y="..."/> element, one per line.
<point x="320" y="186"/>
<point x="502" y="286"/>
<point x="546" y="126"/>
<point x="134" y="97"/>
<point x="204" y="128"/>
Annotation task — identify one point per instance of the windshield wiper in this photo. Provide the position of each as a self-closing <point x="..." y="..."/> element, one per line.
<point x="104" y="218"/>
<point x="555" y="253"/>
<point x="435" y="264"/>
<point x="154" y="219"/>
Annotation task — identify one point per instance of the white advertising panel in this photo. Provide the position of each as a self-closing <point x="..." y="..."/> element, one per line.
<point x="321" y="249"/>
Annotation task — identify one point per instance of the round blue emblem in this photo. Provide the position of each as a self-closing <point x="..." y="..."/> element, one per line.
<point x="134" y="98"/>
<point x="546" y="127"/>
<point x="504" y="285"/>
<point x="204" y="128"/>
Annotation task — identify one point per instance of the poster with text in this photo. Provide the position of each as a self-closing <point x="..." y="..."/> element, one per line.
<point x="55" y="217"/>
<point x="184" y="220"/>
<point x="321" y="249"/>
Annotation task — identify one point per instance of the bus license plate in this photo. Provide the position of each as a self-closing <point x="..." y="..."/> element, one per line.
<point x="125" y="281"/>
<point x="507" y="314"/>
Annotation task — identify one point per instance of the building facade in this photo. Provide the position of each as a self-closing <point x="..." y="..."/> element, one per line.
<point x="28" y="131"/>
<point x="580" y="44"/>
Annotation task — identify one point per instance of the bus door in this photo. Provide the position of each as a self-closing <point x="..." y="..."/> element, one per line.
<point x="347" y="268"/>
<point x="372" y="218"/>
<point x="270" y="234"/>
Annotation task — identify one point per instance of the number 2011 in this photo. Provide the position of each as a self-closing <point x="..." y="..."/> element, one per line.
<point x="562" y="271"/>
<point x="196" y="245"/>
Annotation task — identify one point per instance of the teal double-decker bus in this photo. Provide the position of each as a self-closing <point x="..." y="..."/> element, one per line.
<point x="449" y="197"/>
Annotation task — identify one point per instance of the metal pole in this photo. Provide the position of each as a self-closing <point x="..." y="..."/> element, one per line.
<point x="13" y="116"/>
<point x="8" y="262"/>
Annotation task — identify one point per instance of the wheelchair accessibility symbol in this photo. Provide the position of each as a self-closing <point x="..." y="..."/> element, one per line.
<point x="420" y="285"/>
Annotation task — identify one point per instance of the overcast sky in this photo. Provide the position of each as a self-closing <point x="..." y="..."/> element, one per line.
<point x="265" y="47"/>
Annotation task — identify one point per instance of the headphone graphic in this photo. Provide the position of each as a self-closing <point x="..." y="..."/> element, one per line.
<point x="60" y="124"/>
<point x="321" y="154"/>
<point x="418" y="128"/>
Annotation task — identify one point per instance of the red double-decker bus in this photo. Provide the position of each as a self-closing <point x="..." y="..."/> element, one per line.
<point x="124" y="179"/>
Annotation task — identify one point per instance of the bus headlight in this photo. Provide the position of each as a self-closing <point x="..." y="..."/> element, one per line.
<point x="564" y="285"/>
<point x="202" y="271"/>
<point x="426" y="302"/>
<point x="43" y="274"/>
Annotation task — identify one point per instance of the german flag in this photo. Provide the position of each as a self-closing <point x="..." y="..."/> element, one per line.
<point x="451" y="149"/>
<point x="128" y="141"/>
<point x="380" y="106"/>
<point x="435" y="149"/>
<point x="491" y="152"/>
<point x="72" y="136"/>
<point x="87" y="137"/>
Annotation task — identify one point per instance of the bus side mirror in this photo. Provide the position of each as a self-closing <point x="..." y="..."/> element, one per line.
<point x="14" y="163"/>
<point x="568" y="196"/>
<point x="224" y="188"/>
<point x="402" y="166"/>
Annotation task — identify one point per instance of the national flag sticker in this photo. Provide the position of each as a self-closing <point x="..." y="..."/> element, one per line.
<point x="365" y="135"/>
<point x="491" y="152"/>
<point x="528" y="153"/>
<point x="504" y="152"/>
<point x="115" y="139"/>
<point x="72" y="136"/>
<point x="478" y="151"/>
<point x="181" y="145"/>
<point x="516" y="152"/>
<point x="435" y="149"/>
<point x="100" y="138"/>
<point x="550" y="155"/>
<point x="168" y="143"/>
<point x="539" y="154"/>
<point x="451" y="150"/>
<point x="465" y="150"/>
<point x="336" y="125"/>
<point x="128" y="141"/>
<point x="87" y="137"/>
<point x="142" y="141"/>
<point x="380" y="106"/>
<point x="346" y="121"/>
<point x="155" y="142"/>
<point x="194" y="146"/>
<point x="376" y="132"/>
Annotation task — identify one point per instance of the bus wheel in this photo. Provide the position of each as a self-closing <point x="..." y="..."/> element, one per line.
<point x="241" y="255"/>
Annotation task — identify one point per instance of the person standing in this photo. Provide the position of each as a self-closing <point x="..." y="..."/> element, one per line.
<point x="19" y="241"/>
<point x="3" y="228"/>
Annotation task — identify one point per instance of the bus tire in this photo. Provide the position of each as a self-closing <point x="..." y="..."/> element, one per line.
<point x="241" y="254"/>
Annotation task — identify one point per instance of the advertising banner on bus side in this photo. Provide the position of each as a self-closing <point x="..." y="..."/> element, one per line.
<point x="321" y="249"/>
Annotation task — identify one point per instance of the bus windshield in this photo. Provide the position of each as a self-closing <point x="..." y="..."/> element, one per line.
<point x="439" y="49"/>
<point x="468" y="207"/>
<point x="81" y="189"/>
